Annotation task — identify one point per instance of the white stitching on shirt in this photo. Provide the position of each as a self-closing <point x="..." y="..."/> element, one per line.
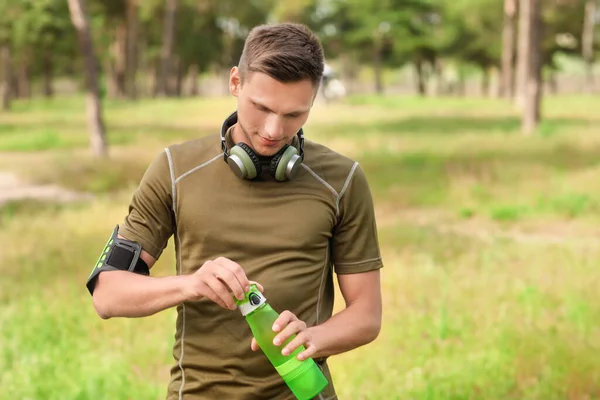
<point x="173" y="182"/>
<point x="191" y="171"/>
<point x="327" y="185"/>
<point x="346" y="184"/>
<point x="338" y="196"/>
<point x="174" y="194"/>
<point x="360" y="262"/>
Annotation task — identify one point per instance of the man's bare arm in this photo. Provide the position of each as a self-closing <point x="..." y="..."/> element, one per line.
<point x="358" y="324"/>
<point x="127" y="294"/>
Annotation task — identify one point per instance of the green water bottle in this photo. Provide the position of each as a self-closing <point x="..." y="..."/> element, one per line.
<point x="304" y="378"/>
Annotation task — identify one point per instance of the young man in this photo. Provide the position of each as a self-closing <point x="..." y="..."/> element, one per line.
<point x="253" y="203"/>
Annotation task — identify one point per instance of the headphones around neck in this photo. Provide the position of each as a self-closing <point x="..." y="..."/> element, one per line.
<point x="246" y="164"/>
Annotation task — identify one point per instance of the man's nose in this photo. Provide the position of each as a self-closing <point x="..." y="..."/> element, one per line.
<point x="274" y="127"/>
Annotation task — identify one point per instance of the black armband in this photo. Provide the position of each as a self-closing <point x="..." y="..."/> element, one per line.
<point x="118" y="255"/>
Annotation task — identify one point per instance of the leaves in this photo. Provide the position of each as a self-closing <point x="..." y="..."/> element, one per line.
<point x="212" y="32"/>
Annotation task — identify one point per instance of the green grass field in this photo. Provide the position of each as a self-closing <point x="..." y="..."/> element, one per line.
<point x="491" y="286"/>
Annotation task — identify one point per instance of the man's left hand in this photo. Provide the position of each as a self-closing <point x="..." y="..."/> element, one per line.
<point x="287" y="325"/>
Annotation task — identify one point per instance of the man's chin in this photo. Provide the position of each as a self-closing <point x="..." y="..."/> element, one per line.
<point x="265" y="151"/>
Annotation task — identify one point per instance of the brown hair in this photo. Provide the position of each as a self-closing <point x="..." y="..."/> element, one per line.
<point x="287" y="52"/>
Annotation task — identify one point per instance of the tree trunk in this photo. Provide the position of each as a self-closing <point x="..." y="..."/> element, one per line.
<point x="440" y="87"/>
<point x="93" y="105"/>
<point x="587" y="42"/>
<point x="143" y="89"/>
<point x="193" y="80"/>
<point x="6" y="84"/>
<point x="120" y="48"/>
<point x="111" y="77"/>
<point x="485" y="81"/>
<point x="552" y="82"/>
<point x="533" y="84"/>
<point x="154" y="78"/>
<point x="166" y="54"/>
<point x="508" y="49"/>
<point x="14" y="83"/>
<point x="523" y="51"/>
<point x="378" y="70"/>
<point x="48" y="74"/>
<point x="420" y="76"/>
<point x="132" y="48"/>
<point x="349" y="70"/>
<point x="461" y="86"/>
<point x="176" y="83"/>
<point x="23" y="78"/>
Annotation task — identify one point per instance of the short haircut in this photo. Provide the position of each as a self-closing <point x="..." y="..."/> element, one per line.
<point x="287" y="52"/>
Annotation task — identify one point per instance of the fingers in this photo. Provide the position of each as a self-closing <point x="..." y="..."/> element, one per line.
<point x="284" y="318"/>
<point x="239" y="280"/>
<point x="254" y="345"/>
<point x="288" y="326"/>
<point x="221" y="278"/>
<point x="292" y="328"/>
<point x="301" y="339"/>
<point x="212" y="295"/>
<point x="223" y="298"/>
<point x="229" y="279"/>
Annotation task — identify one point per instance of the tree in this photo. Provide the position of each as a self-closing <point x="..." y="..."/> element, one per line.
<point x="42" y="35"/>
<point x="508" y="49"/>
<point x="166" y="55"/>
<point x="8" y="13"/>
<point x="530" y="9"/>
<point x="132" y="48"/>
<point x="93" y="104"/>
<point x="385" y="33"/>
<point x="469" y="34"/>
<point x="5" y="85"/>
<point x="587" y="41"/>
<point x="523" y="54"/>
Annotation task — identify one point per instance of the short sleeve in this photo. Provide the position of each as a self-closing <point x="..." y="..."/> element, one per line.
<point x="151" y="221"/>
<point x="355" y="243"/>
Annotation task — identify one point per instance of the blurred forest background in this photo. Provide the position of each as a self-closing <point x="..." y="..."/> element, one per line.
<point x="133" y="49"/>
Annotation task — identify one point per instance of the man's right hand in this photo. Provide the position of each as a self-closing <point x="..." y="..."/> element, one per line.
<point x="219" y="280"/>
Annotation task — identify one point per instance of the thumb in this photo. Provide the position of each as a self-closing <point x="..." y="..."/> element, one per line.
<point x="260" y="287"/>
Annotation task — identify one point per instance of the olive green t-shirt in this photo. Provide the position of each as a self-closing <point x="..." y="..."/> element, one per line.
<point x="289" y="236"/>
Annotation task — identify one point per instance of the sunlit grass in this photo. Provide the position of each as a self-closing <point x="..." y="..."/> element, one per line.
<point x="467" y="314"/>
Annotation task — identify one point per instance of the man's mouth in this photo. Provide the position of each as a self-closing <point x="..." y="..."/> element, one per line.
<point x="268" y="142"/>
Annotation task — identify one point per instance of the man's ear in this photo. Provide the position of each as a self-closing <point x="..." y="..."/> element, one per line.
<point x="234" y="81"/>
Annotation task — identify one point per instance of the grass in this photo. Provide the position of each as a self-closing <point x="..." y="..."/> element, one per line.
<point x="479" y="303"/>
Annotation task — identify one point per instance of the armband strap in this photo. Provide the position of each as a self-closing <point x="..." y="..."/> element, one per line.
<point x="118" y="255"/>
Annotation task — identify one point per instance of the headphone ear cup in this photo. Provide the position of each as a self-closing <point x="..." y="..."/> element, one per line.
<point x="285" y="163"/>
<point x="244" y="162"/>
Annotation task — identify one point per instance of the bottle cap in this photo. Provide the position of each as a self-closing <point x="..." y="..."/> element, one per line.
<point x="252" y="300"/>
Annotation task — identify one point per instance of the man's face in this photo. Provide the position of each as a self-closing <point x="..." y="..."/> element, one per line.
<point x="270" y="113"/>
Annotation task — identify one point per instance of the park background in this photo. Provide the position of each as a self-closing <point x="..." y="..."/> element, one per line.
<point x="476" y="121"/>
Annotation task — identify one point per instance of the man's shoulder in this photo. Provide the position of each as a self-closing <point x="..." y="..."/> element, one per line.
<point x="321" y="154"/>
<point x="334" y="167"/>
<point x="190" y="154"/>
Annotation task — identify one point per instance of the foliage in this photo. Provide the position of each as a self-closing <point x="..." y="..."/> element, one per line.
<point x="211" y="32"/>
